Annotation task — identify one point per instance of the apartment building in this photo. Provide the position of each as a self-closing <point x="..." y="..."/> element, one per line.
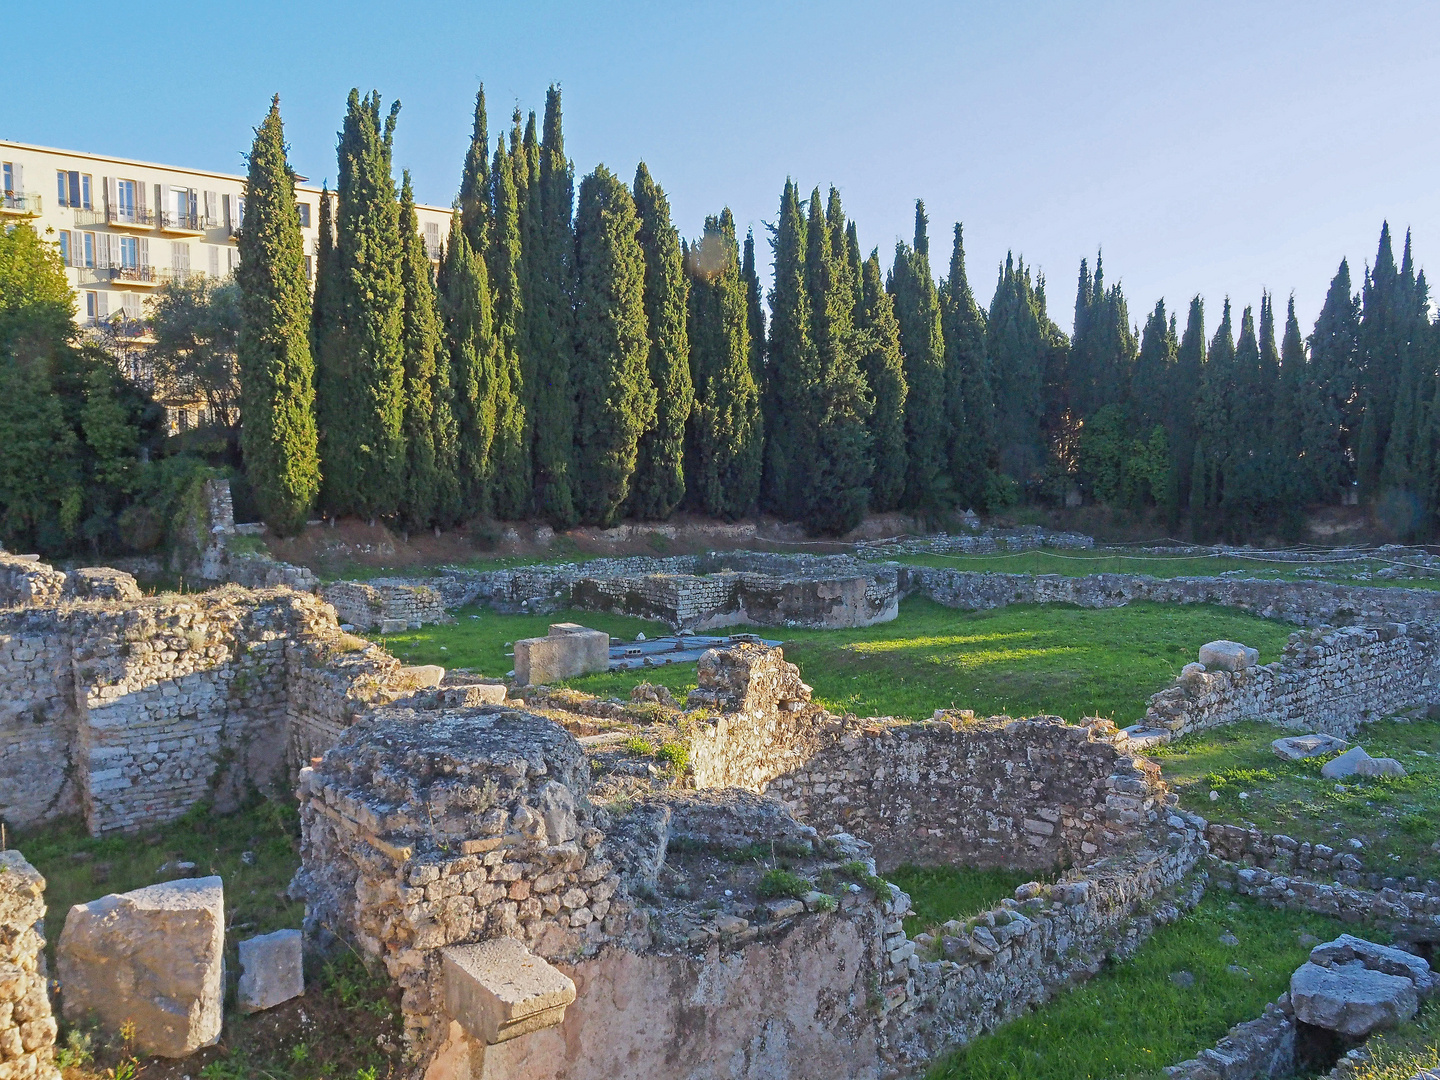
<point x="125" y="227"/>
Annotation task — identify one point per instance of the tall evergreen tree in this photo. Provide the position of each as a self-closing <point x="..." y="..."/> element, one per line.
<point x="421" y="336"/>
<point x="615" y="400"/>
<point x="1189" y="364"/>
<point x="510" y="402"/>
<point x="550" y="333"/>
<point x="1022" y="344"/>
<point x="726" y="438"/>
<point x="792" y="367"/>
<point x="1103" y="350"/>
<point x="754" y="310"/>
<point x="837" y="487"/>
<point x="659" y="483"/>
<point x="1156" y="398"/>
<point x="475" y="210"/>
<point x="885" y="372"/>
<point x="1213" y="428"/>
<point x="465" y="302"/>
<point x="1334" y="367"/>
<point x="1380" y="358"/>
<point x="969" y="399"/>
<point x="277" y="370"/>
<point x="364" y="469"/>
<point x="917" y="307"/>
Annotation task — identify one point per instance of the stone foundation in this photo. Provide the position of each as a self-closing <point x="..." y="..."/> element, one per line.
<point x="27" y="1028"/>
<point x="386" y="604"/>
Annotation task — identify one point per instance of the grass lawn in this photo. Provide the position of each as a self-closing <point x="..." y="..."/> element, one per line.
<point x="1397" y="818"/>
<point x="1121" y="561"/>
<point x="941" y="893"/>
<point x="1132" y="1019"/>
<point x="1021" y="660"/>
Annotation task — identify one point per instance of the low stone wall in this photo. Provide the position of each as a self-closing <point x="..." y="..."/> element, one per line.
<point x="1259" y="1049"/>
<point x="27" y="1028"/>
<point x="1304" y="603"/>
<point x="1327" y="681"/>
<point x="24" y="579"/>
<point x="383" y="603"/>
<point x="1410" y="915"/>
<point x="133" y="712"/>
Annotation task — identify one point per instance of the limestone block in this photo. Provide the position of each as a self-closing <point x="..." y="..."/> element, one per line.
<point x="1356" y="762"/>
<point x="271" y="970"/>
<point x="423" y="676"/>
<point x="570" y="650"/>
<point x="1229" y="655"/>
<point x="152" y="956"/>
<point x="498" y="990"/>
<point x="1347" y="948"/>
<point x="1296" y="747"/>
<point x="1351" y="999"/>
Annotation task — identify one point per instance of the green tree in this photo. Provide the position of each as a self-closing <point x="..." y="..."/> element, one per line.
<point x="196" y="325"/>
<point x="364" y="450"/>
<point x="277" y="371"/>
<point x="1022" y="345"/>
<point x="1329" y="442"/>
<point x="885" y="372"/>
<point x="508" y="400"/>
<point x="475" y="195"/>
<point x="754" y="309"/>
<point x="1213" y="429"/>
<point x="470" y="339"/>
<point x="917" y="307"/>
<point x="792" y="366"/>
<point x="550" y="327"/>
<point x="420" y="333"/>
<point x="1103" y="349"/>
<point x="969" y="398"/>
<point x="726" y="443"/>
<point x="1189" y="363"/>
<point x="659" y="483"/>
<point x="615" y="401"/>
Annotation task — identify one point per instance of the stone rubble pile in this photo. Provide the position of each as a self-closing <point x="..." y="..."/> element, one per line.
<point x="27" y="1028"/>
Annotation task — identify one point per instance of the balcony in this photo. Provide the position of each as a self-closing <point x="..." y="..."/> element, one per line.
<point x="147" y="276"/>
<point x="121" y="330"/>
<point x="85" y="216"/>
<point x="184" y="224"/>
<point x="121" y="217"/>
<point x="19" y="204"/>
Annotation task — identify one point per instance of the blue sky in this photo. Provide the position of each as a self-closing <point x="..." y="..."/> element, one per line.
<point x="1213" y="148"/>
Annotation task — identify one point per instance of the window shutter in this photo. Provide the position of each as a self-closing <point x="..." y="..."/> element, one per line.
<point x="19" y="180"/>
<point x="225" y="212"/>
<point x="102" y="305"/>
<point x="210" y="206"/>
<point x="74" y="189"/>
<point x="213" y="253"/>
<point x="102" y="256"/>
<point x="140" y="199"/>
<point x="60" y="187"/>
<point x="144" y="251"/>
<point x="112" y="197"/>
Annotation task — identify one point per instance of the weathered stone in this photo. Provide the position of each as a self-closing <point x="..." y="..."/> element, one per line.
<point x="1356" y="762"/>
<point x="271" y="970"/>
<point x="152" y="957"/>
<point x="1351" y="999"/>
<point x="1228" y="655"/>
<point x="1347" y="948"/>
<point x="27" y="1029"/>
<point x="1297" y="747"/>
<point x="499" y="990"/>
<point x="568" y="651"/>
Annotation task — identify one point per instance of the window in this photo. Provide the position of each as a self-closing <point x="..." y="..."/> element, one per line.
<point x="432" y="239"/>
<point x="129" y="253"/>
<point x="72" y="189"/>
<point x="65" y="251"/>
<point x="309" y="268"/>
<point x="125" y="200"/>
<point x="85" y="200"/>
<point x="62" y="188"/>
<point x="92" y="305"/>
<point x="7" y="177"/>
<point x="304" y="209"/>
<point x="88" y="255"/>
<point x="213" y="253"/>
<point x="180" y="259"/>
<point x="130" y="305"/>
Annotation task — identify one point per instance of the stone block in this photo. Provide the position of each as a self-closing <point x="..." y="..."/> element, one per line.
<point x="423" y="676"/>
<point x="1228" y="655"/>
<point x="569" y="651"/>
<point x="1296" y="747"/>
<point x="152" y="957"/>
<point x="1356" y="762"/>
<point x="1347" y="948"/>
<point x="498" y="990"/>
<point x="271" y="970"/>
<point x="1351" y="999"/>
<point x="394" y="626"/>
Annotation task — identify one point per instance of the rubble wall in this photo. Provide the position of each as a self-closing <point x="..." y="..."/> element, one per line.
<point x="1327" y="681"/>
<point x="368" y="605"/>
<point x="27" y="1028"/>
<point x="38" y="723"/>
<point x="1304" y="603"/>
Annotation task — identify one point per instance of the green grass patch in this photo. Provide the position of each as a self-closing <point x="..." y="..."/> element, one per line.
<point x="1396" y="818"/>
<point x="941" y="893"/>
<point x="1133" y="1019"/>
<point x="1405" y="1052"/>
<point x="1020" y="660"/>
<point x="778" y="882"/>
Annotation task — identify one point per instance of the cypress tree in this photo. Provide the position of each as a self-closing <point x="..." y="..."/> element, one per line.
<point x="754" y="310"/>
<point x="917" y="308"/>
<point x="551" y="333"/>
<point x="792" y="368"/>
<point x="364" y="473"/>
<point x="726" y="437"/>
<point x="1334" y="366"/>
<point x="1189" y="363"/>
<point x="969" y="400"/>
<point x="659" y="472"/>
<point x="1022" y="344"/>
<point x="1155" y="394"/>
<point x="1248" y="477"/>
<point x="837" y="488"/>
<point x="420" y="334"/>
<point x="276" y="367"/>
<point x="885" y="372"/>
<point x="331" y="384"/>
<point x="469" y="333"/>
<point x="1213" y="428"/>
<point x="615" y="401"/>
<point x="475" y="210"/>
<point x="510" y="450"/>
<point x="1379" y="362"/>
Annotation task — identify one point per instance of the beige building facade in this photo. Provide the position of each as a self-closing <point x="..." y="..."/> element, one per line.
<point x="126" y="227"/>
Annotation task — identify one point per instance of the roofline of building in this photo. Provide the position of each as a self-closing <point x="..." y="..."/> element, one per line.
<point x="303" y="181"/>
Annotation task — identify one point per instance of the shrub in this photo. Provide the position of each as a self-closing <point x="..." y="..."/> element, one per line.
<point x="779" y="882"/>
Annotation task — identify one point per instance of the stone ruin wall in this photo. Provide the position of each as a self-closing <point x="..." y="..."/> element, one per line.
<point x="27" y="1028"/>
<point x="371" y="605"/>
<point x="133" y="712"/>
<point x="1327" y="681"/>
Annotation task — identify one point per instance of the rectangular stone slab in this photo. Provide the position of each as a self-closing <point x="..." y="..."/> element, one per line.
<point x="568" y="651"/>
<point x="271" y="970"/>
<point x="497" y="990"/>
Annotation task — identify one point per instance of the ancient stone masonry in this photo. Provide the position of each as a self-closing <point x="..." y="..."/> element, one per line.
<point x="695" y="592"/>
<point x="25" y="581"/>
<point x="1026" y="538"/>
<point x="27" y="1028"/>
<point x="1304" y="603"/>
<point x="1327" y="681"/>
<point x="390" y="605"/>
<point x="132" y="712"/>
